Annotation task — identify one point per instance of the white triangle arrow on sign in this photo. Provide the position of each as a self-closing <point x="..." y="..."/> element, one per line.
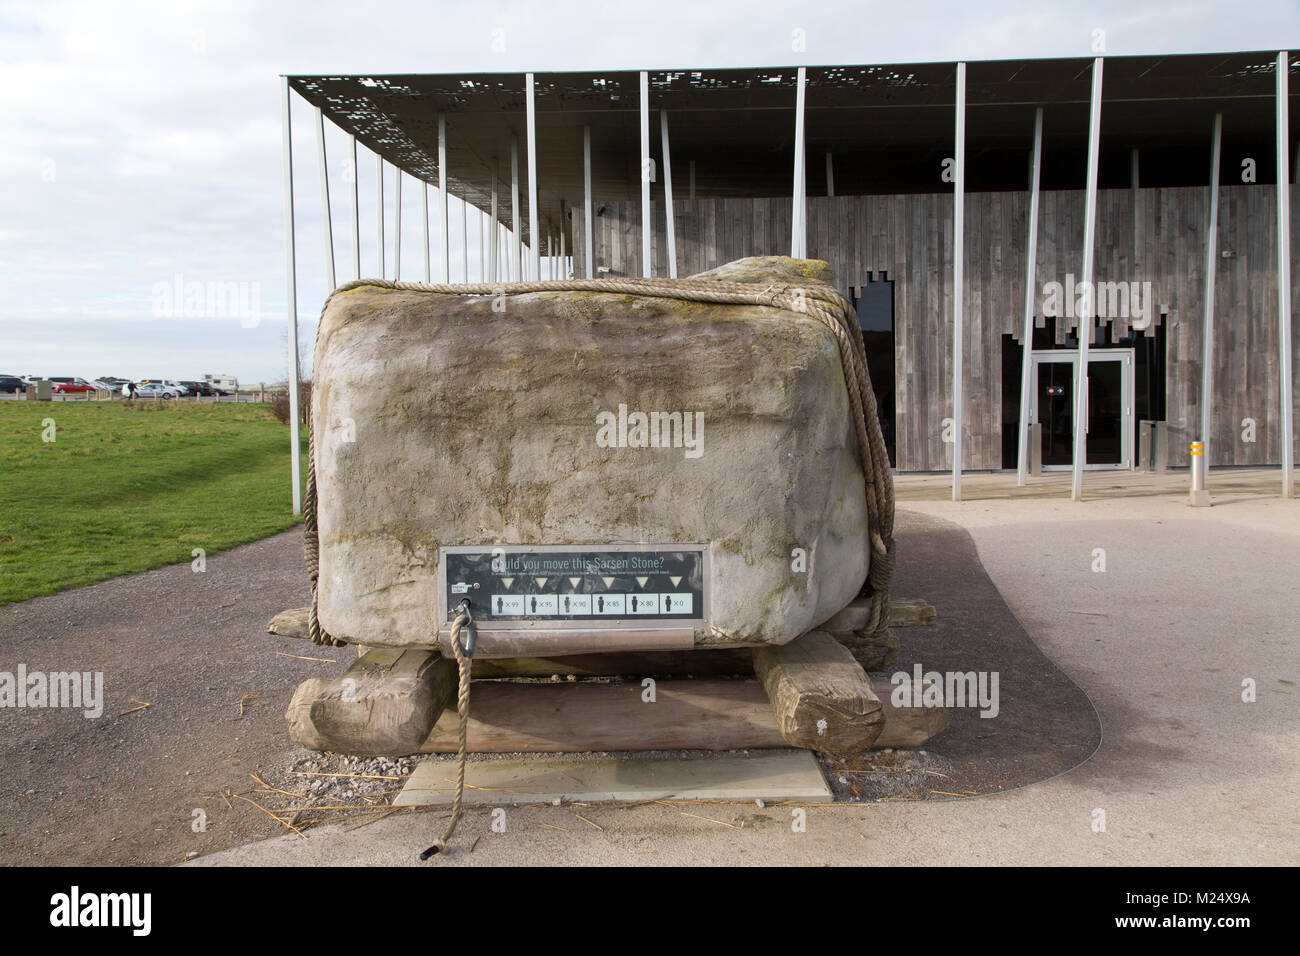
<point x="574" y="581"/>
<point x="541" y="582"/>
<point x="642" y="581"/>
<point x="676" y="579"/>
<point x="608" y="581"/>
<point x="507" y="582"/>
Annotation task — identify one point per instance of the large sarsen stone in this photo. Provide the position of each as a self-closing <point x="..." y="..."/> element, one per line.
<point x="457" y="420"/>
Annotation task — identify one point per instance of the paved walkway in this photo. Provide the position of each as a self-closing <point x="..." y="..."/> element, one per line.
<point x="1225" y="485"/>
<point x="1192" y="602"/>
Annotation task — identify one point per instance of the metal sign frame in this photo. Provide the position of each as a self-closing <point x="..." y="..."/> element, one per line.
<point x="561" y="628"/>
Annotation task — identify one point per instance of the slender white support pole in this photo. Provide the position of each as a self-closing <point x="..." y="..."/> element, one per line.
<point x="397" y="224"/>
<point x="1211" y="257"/>
<point x="464" y="241"/>
<point x="1031" y="278"/>
<point x="798" y="237"/>
<point x="534" y="211"/>
<point x="564" y="257"/>
<point x="588" y="242"/>
<point x="482" y="247"/>
<point x="1284" y="277"/>
<point x="958" y="278"/>
<point x="668" y="197"/>
<point x="494" y="246"/>
<point x="443" y="224"/>
<point x="379" y="205"/>
<point x="830" y="175"/>
<point x="325" y="200"/>
<point x="291" y="305"/>
<point x="356" y="213"/>
<point x="550" y="256"/>
<point x="1090" y="297"/>
<point x="424" y="219"/>
<point x="518" y="271"/>
<point x="646" y="259"/>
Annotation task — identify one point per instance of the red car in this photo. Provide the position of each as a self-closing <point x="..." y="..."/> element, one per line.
<point x="66" y="385"/>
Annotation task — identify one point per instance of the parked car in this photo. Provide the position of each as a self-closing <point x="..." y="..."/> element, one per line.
<point x="65" y="385"/>
<point x="173" y="390"/>
<point x="12" y="383"/>
<point x="199" y="388"/>
<point x="155" y="390"/>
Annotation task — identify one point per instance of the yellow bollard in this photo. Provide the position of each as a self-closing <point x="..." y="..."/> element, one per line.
<point x="1200" y="498"/>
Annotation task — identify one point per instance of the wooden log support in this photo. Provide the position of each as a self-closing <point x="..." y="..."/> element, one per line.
<point x="293" y="623"/>
<point x="705" y="714"/>
<point x="874" y="651"/>
<point x="903" y="612"/>
<point x="301" y="729"/>
<point x="384" y="705"/>
<point x="913" y="724"/>
<point x="910" y="612"/>
<point x="290" y="623"/>
<point x="392" y="699"/>
<point x="820" y="695"/>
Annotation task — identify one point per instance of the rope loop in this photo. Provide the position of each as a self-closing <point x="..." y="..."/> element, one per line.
<point x="464" y="665"/>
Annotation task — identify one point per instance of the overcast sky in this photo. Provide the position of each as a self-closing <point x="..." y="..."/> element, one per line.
<point x="140" y="142"/>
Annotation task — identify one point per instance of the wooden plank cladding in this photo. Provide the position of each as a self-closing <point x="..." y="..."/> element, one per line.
<point x="909" y="237"/>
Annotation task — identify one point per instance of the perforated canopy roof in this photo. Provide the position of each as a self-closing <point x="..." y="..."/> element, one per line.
<point x="882" y="123"/>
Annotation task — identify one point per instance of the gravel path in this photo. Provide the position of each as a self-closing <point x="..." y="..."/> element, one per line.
<point x="124" y="788"/>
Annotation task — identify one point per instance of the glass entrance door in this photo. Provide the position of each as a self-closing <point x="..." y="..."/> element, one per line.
<point x="1110" y="407"/>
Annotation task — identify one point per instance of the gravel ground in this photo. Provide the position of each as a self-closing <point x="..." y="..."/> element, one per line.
<point x="125" y="788"/>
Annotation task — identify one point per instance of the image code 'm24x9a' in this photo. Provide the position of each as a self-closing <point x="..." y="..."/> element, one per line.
<point x="576" y="584"/>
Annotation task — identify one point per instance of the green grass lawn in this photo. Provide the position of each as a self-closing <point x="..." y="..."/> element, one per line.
<point x="130" y="487"/>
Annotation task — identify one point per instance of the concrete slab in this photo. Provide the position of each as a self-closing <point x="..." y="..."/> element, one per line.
<point x="770" y="775"/>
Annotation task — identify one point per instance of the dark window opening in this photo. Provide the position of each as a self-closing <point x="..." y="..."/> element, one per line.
<point x="1012" y="357"/>
<point x="874" y="303"/>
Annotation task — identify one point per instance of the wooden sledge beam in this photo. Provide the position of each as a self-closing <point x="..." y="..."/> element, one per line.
<point x="709" y="662"/>
<point x="709" y="714"/>
<point x="508" y="717"/>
